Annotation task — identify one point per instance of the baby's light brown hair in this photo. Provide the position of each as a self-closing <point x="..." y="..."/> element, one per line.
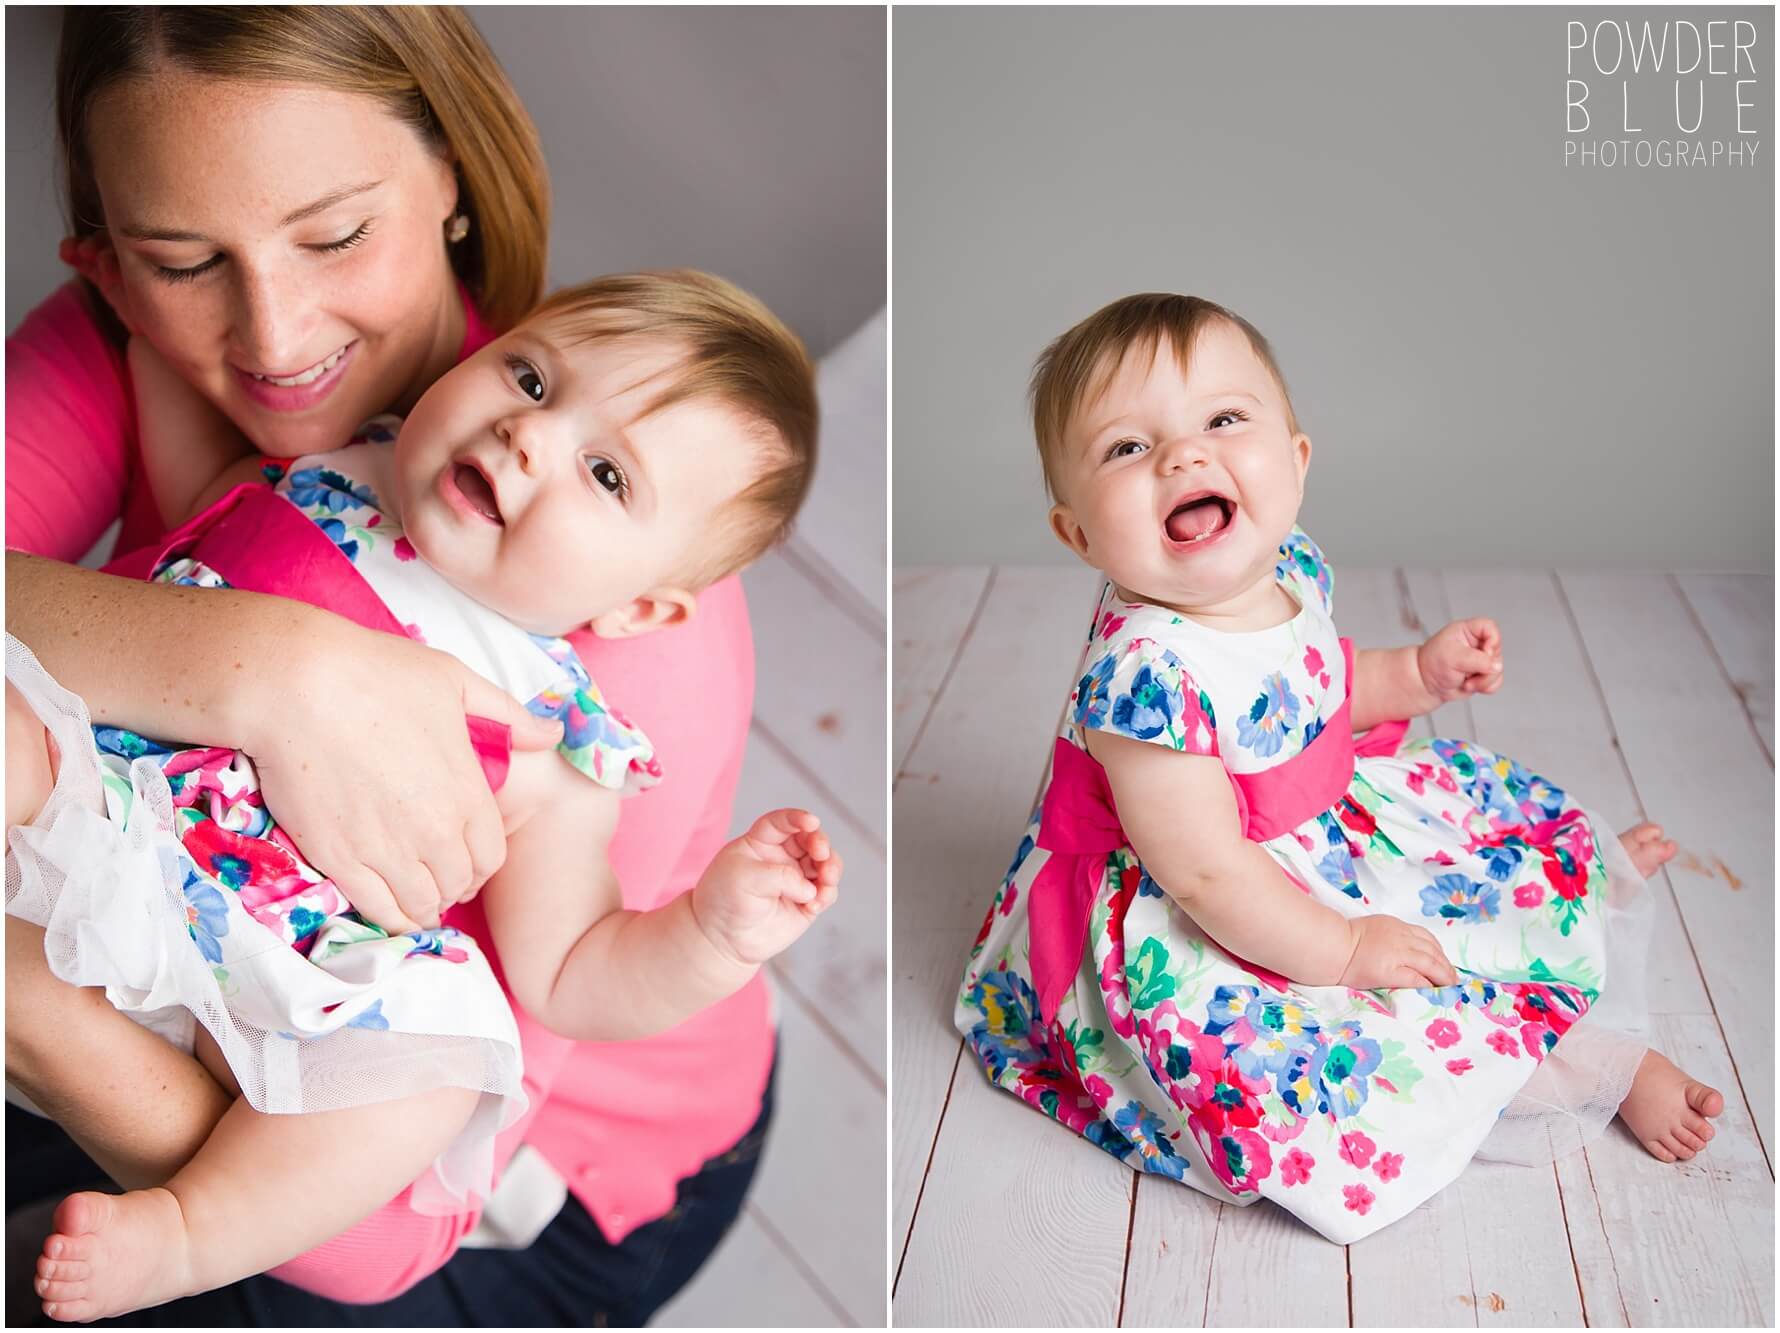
<point x="735" y="352"/>
<point x="1074" y="370"/>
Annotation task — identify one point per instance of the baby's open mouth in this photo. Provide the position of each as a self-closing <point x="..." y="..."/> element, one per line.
<point x="474" y="487"/>
<point x="1199" y="518"/>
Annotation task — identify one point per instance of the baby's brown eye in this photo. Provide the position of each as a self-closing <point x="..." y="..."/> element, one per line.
<point x="1125" y="448"/>
<point x="530" y="383"/>
<point x="607" y="474"/>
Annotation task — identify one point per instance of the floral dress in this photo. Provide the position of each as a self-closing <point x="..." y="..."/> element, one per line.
<point x="159" y="873"/>
<point x="1347" y="1107"/>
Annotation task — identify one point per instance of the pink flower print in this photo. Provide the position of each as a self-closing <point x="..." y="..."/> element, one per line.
<point x="404" y="550"/>
<point x="1457" y="1067"/>
<point x="1357" y="1149"/>
<point x="1313" y="660"/>
<point x="1529" y="895"/>
<point x="1388" y="1166"/>
<point x="1503" y="1044"/>
<point x="1109" y="626"/>
<point x="1099" y="1089"/>
<point x="1359" y="1198"/>
<point x="1013" y="896"/>
<point x="1441" y="858"/>
<point x="1295" y="1169"/>
<point x="1306" y="841"/>
<point x="1443" y="1032"/>
<point x="413" y="632"/>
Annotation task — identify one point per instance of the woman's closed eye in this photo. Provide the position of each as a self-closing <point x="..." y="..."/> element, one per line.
<point x="170" y="273"/>
<point x="609" y="477"/>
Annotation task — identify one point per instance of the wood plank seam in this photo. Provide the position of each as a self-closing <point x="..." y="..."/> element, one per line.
<point x="1575" y="1264"/>
<point x="945" y="680"/>
<point x="838" y="591"/>
<point x="1625" y="1314"/>
<point x="932" y="1147"/>
<point x="1730" y="681"/>
<point x="1211" y="1259"/>
<point x="1130" y="1231"/>
<point x="815" y="1014"/>
<point x="1643" y="811"/>
<point x="763" y="730"/>
<point x="796" y="1260"/>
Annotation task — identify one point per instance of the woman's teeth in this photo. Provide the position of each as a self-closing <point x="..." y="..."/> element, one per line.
<point x="309" y="376"/>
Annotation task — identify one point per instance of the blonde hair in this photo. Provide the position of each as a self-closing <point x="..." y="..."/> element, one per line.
<point x="1074" y="370"/>
<point x="737" y="353"/>
<point x="429" y="67"/>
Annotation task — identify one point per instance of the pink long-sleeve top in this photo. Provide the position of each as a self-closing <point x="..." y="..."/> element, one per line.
<point x="621" y="1122"/>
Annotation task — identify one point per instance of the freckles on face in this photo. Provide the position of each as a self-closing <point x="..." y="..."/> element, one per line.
<point x="205" y="175"/>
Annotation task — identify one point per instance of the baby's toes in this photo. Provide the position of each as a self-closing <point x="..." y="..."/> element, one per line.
<point x="77" y="1249"/>
<point x="74" y="1310"/>
<point x="1657" y="1149"/>
<point x="62" y="1270"/>
<point x="1707" y="1101"/>
<point x="1688" y="1139"/>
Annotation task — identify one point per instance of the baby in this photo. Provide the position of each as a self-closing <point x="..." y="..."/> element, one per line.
<point x="1225" y="951"/>
<point x="634" y="440"/>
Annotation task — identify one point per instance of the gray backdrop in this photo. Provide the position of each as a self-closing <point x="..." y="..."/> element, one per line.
<point x="745" y="141"/>
<point x="1499" y="359"/>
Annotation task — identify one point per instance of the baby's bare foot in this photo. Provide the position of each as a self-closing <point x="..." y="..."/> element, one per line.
<point x="1647" y="847"/>
<point x="1668" y="1112"/>
<point x="110" y="1254"/>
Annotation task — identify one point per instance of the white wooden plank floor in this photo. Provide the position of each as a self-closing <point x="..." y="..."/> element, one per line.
<point x="1650" y="696"/>
<point x="809" y="1250"/>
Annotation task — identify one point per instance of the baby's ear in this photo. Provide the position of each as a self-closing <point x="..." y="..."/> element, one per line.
<point x="1068" y="531"/>
<point x="656" y="609"/>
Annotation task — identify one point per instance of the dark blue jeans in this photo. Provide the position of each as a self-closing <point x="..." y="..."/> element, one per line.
<point x="571" y="1277"/>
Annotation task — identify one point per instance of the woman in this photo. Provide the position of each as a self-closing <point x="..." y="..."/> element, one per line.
<point x="307" y="215"/>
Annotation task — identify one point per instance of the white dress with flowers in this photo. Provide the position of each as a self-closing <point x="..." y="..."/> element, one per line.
<point x="158" y="872"/>
<point x="1347" y="1107"/>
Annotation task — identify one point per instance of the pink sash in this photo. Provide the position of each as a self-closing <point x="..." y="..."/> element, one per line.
<point x="260" y="542"/>
<point x="1079" y="827"/>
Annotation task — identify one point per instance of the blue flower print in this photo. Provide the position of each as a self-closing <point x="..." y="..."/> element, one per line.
<point x="206" y="916"/>
<point x="1092" y="699"/>
<point x="304" y="922"/>
<point x="321" y="488"/>
<point x="1009" y="1007"/>
<point x="1471" y="990"/>
<point x="126" y="744"/>
<point x="1337" y="865"/>
<point x="1025" y="850"/>
<point x="1340" y="1069"/>
<point x="1501" y="862"/>
<point x="1457" y="898"/>
<point x="1150" y="708"/>
<point x="1147" y="1135"/>
<point x="370" y="1018"/>
<point x="1147" y="887"/>
<point x="337" y="532"/>
<point x="1280" y="1024"/>
<point x="1272" y="715"/>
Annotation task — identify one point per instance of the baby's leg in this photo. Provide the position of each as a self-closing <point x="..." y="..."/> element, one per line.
<point x="30" y="767"/>
<point x="263" y="1189"/>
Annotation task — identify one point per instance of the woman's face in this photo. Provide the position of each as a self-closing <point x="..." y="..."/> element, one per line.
<point x="282" y="247"/>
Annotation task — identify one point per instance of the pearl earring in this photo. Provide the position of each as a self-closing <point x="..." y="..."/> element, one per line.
<point x="457" y="228"/>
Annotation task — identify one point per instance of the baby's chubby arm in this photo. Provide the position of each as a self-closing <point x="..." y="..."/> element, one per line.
<point x="1460" y="659"/>
<point x="1180" y="815"/>
<point x="589" y="970"/>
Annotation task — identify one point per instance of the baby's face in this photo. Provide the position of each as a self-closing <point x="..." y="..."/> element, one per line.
<point x="1180" y="489"/>
<point x="529" y="478"/>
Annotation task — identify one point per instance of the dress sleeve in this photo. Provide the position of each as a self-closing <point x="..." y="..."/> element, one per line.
<point x="1302" y="568"/>
<point x="1135" y="687"/>
<point x="70" y="429"/>
<point x="597" y="740"/>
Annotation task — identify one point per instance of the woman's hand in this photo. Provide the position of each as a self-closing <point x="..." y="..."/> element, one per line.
<point x="95" y="260"/>
<point x="1463" y="658"/>
<point x="1392" y="953"/>
<point x="365" y="760"/>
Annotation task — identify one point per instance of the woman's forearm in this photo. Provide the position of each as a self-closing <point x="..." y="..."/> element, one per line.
<point x="169" y="661"/>
<point x="136" y="1105"/>
<point x="1247" y="904"/>
<point x="1388" y="685"/>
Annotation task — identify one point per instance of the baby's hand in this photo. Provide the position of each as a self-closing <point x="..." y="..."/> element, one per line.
<point x="1463" y="658"/>
<point x="1392" y="953"/>
<point x="762" y="890"/>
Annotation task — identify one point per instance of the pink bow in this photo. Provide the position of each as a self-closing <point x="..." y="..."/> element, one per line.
<point x="1079" y="827"/>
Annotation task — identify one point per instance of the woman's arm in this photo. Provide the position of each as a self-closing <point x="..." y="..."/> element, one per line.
<point x="358" y="737"/>
<point x="1179" y="812"/>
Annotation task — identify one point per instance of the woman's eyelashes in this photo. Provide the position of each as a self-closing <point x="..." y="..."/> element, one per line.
<point x="168" y="273"/>
<point x="1129" y="447"/>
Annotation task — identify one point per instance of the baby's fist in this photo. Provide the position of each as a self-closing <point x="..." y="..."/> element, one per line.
<point x="763" y="889"/>
<point x="1463" y="658"/>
